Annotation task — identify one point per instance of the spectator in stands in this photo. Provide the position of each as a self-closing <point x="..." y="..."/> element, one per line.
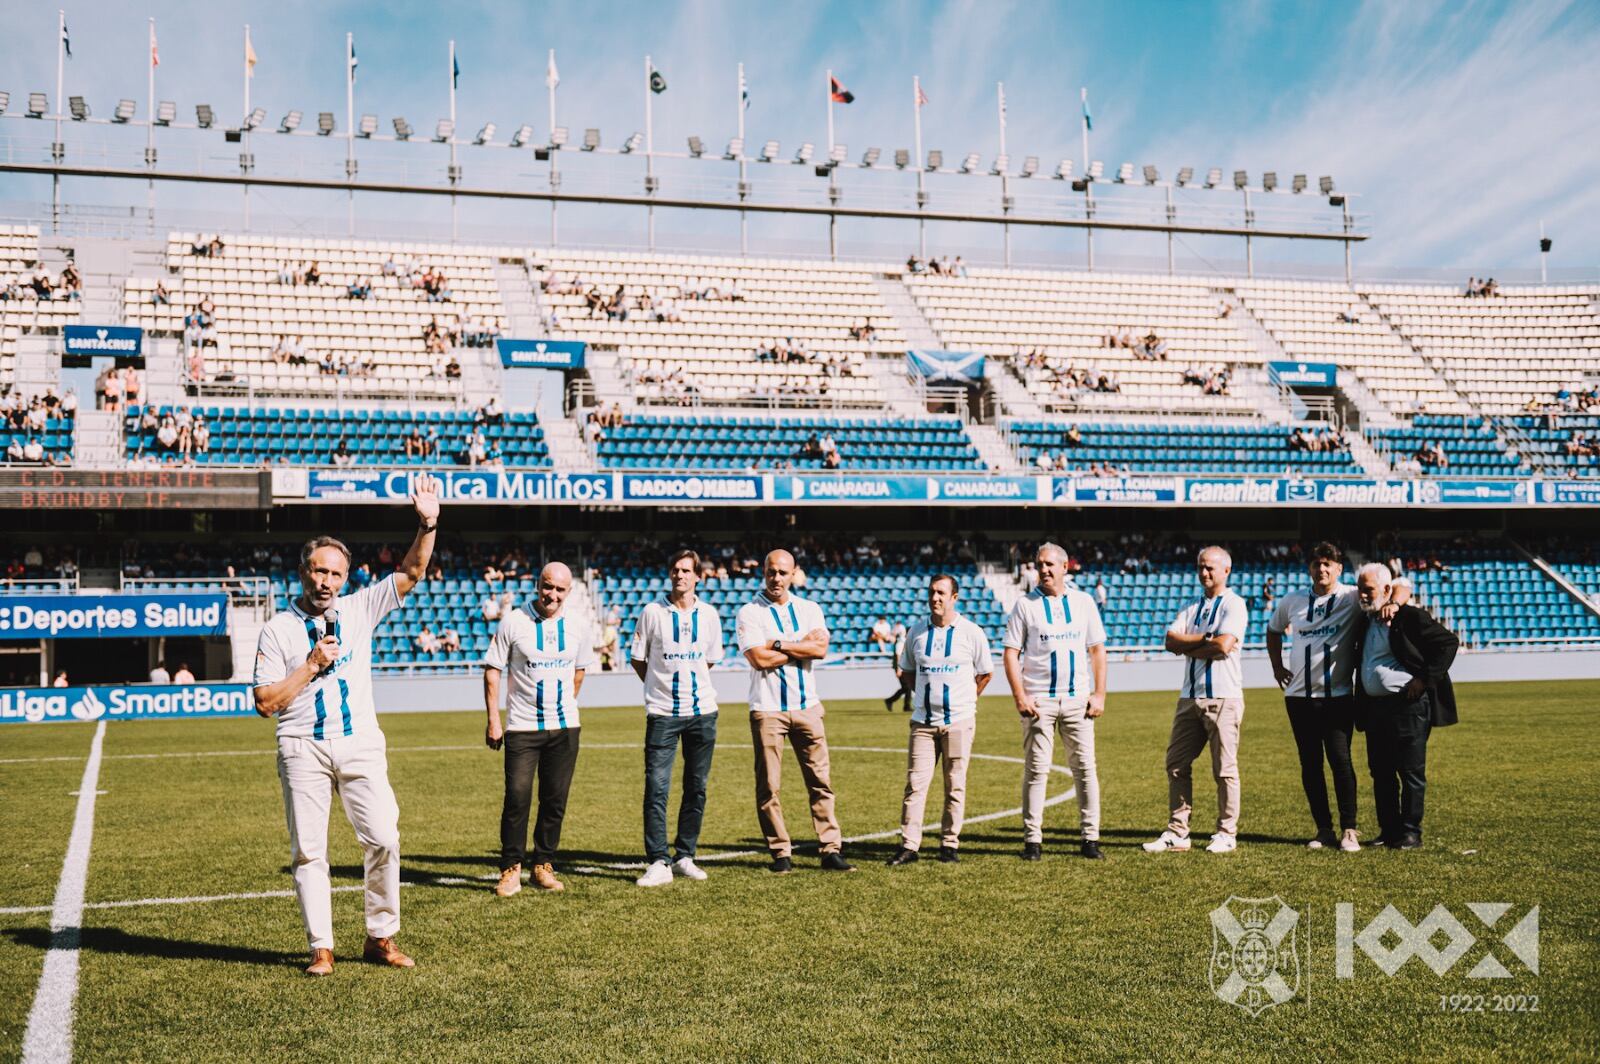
<point x="1217" y="382"/>
<point x="914" y="264"/>
<point x="160" y="675"/>
<point x="183" y="675"/>
<point x="329" y="364"/>
<point x="1100" y="593"/>
<point x="14" y="450"/>
<point x="425" y="642"/>
<point x="69" y="405"/>
<point x="1351" y="316"/>
<point x="71" y="281"/>
<point x="449" y="640"/>
<point x="342" y="455"/>
<point x="161" y="297"/>
<point x="360" y="288"/>
<point x="313" y="274"/>
<point x="61" y="679"/>
<point x="881" y="636"/>
<point x="414" y="445"/>
<point x="491" y="413"/>
<point x="200" y="436"/>
<point x="43" y="287"/>
<point x="477" y="449"/>
<point x="167" y="435"/>
<point x="452" y="369"/>
<point x="1473" y="288"/>
<point x="1224" y="308"/>
<point x="1298" y="440"/>
<point x="390" y="266"/>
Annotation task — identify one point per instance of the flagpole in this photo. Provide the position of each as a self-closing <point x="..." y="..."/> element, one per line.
<point x="744" y="224"/>
<point x="454" y="216"/>
<point x="61" y="59"/>
<point x="555" y="180"/>
<point x="1005" y="178"/>
<point x="649" y="152"/>
<point x="245" y="123"/>
<point x="833" y="187"/>
<point x="350" y="122"/>
<point x="150" y="128"/>
<point x="1088" y="182"/>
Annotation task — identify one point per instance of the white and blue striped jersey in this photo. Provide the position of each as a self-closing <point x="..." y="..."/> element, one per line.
<point x="1052" y="635"/>
<point x="1224" y="614"/>
<point x="1323" y="653"/>
<point x="678" y="648"/>
<point x="338" y="702"/>
<point x="541" y="657"/>
<point x="945" y="664"/>
<point x="787" y="688"/>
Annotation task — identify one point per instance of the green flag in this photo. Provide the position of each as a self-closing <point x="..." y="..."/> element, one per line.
<point x="658" y="84"/>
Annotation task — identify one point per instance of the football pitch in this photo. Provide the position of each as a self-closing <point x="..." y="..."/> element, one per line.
<point x="988" y="959"/>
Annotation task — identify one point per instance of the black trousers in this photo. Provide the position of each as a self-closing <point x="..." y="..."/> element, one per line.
<point x="1323" y="727"/>
<point x="1397" y="754"/>
<point x="551" y="755"/>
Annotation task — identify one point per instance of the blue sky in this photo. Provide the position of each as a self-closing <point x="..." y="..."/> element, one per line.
<point x="1458" y="125"/>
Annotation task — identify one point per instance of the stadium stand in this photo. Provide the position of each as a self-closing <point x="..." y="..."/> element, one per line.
<point x="1471" y="444"/>
<point x="21" y="311"/>
<point x="1167" y="447"/>
<point x="1568" y="443"/>
<point x="705" y="442"/>
<point x="1579" y="565"/>
<point x="288" y="436"/>
<point x="1489" y="595"/>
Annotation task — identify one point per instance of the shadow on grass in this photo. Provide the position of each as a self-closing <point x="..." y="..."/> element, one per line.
<point x="114" y="940"/>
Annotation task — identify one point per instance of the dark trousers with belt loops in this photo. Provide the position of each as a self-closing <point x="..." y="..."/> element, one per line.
<point x="1397" y="753"/>
<point x="1323" y="727"/>
<point x="552" y="755"/>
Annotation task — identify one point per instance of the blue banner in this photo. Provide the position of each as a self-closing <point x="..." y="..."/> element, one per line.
<point x="1303" y="374"/>
<point x="947" y="367"/>
<point x="541" y="354"/>
<point x="463" y="485"/>
<point x="694" y="489"/>
<point x="92" y="616"/>
<point x="853" y="488"/>
<point x="1426" y="492"/>
<point x="1116" y="489"/>
<point x="123" y="341"/>
<point x="127" y="702"/>
<point x="984" y="489"/>
<point x="1570" y="492"/>
<point x="1232" y="491"/>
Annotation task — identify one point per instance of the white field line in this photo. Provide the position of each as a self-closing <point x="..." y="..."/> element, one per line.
<point x="271" y="750"/>
<point x="49" y="1034"/>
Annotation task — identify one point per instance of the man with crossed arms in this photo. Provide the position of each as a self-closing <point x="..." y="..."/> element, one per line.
<point x="314" y="673"/>
<point x="944" y="666"/>
<point x="781" y="636"/>
<point x="1055" y="661"/>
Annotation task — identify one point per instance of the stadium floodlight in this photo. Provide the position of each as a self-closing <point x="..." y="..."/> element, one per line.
<point x="1269" y="180"/>
<point x="368" y="126"/>
<point x="735" y="148"/>
<point x="443" y="131"/>
<point x="325" y="123"/>
<point x="970" y="163"/>
<point x="697" y="147"/>
<point x="804" y="154"/>
<point x="402" y="129"/>
<point x="769" y="151"/>
<point x="591" y="138"/>
<point x="485" y="135"/>
<point x="1151" y="174"/>
<point x="166" y="111"/>
<point x="1063" y="169"/>
<point x="521" y="137"/>
<point x="1030" y="166"/>
<point x="870" y="157"/>
<point x="291" y="122"/>
<point x="204" y="116"/>
<point x="1124" y="173"/>
<point x="1214" y="177"/>
<point x="79" y="108"/>
<point x="1097" y="170"/>
<point x="124" y="112"/>
<point x="1240" y="179"/>
<point x="935" y="159"/>
<point x="38" y="104"/>
<point x="632" y="144"/>
<point x="902" y="158"/>
<point x="558" y="137"/>
<point x="259" y="115"/>
<point x="1299" y="183"/>
<point x="837" y="154"/>
<point x="5" y="101"/>
<point x="1002" y="163"/>
<point x="1325" y="183"/>
<point x="1185" y="176"/>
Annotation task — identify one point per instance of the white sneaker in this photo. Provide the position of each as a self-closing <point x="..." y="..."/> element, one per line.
<point x="1168" y="842"/>
<point x="659" y="874"/>
<point x="1351" y="842"/>
<point x="1322" y="842"/>
<point x="1221" y="843"/>
<point x="685" y="866"/>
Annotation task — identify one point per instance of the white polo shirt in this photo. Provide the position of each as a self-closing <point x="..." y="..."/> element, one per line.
<point x="542" y="657"/>
<point x="946" y="663"/>
<point x="1224" y="614"/>
<point x="787" y="688"/>
<point x="339" y="701"/>
<point x="1052" y="634"/>
<point x="1323" y="654"/>
<point x="678" y="648"/>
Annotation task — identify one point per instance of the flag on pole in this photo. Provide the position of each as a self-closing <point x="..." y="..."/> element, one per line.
<point x="744" y="90"/>
<point x="1088" y="122"/>
<point x="839" y="93"/>
<point x="155" y="56"/>
<point x="353" y="61"/>
<point x="66" y="39"/>
<point x="249" y="58"/>
<point x="658" y="84"/>
<point x="455" y="72"/>
<point x="1002" y="103"/>
<point x="552" y="76"/>
<point x="922" y="97"/>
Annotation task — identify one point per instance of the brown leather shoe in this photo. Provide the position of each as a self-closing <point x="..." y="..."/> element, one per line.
<point x="544" y="877"/>
<point x="321" y="962"/>
<point x="384" y="951"/>
<point x="510" y="881"/>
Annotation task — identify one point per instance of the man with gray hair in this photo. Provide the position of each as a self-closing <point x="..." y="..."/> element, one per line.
<point x="1207" y="635"/>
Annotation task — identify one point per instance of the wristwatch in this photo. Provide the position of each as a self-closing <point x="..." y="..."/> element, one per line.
<point x="428" y="528"/>
<point x="777" y="644"/>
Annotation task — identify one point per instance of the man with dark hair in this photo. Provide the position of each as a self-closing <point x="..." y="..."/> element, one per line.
<point x="945" y="665"/>
<point x="675" y="643"/>
<point x="314" y="673"/>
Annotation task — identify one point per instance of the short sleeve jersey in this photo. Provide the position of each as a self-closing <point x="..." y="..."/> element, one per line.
<point x="1323" y="654"/>
<point x="945" y="663"/>
<point x="678" y="648"/>
<point x="788" y="688"/>
<point x="541" y="658"/>
<point x="1053" y="634"/>
<point x="1224" y="614"/>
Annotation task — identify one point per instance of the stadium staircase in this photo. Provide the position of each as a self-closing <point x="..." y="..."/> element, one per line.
<point x="908" y="317"/>
<point x="568" y="452"/>
<point x="994" y="449"/>
<point x="1560" y="578"/>
<point x="1010" y="393"/>
<point x="606" y="376"/>
<point x="97" y="438"/>
<point x="1411" y="346"/>
<point x="900" y="396"/>
<point x="1002" y="584"/>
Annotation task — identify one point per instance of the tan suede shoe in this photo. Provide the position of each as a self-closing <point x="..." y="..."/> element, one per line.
<point x="384" y="951"/>
<point x="321" y="962"/>
<point x="544" y="877"/>
<point x="510" y="882"/>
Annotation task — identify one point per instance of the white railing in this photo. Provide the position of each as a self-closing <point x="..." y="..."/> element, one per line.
<point x="23" y="586"/>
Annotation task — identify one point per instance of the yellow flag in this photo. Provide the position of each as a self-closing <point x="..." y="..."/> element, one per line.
<point x="249" y="57"/>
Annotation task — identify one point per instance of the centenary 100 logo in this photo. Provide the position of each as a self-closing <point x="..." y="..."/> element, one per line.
<point x="1256" y="964"/>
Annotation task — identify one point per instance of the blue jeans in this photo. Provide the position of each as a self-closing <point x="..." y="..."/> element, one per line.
<point x="661" y="738"/>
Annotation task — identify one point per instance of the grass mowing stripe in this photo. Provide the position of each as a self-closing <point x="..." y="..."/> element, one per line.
<point x="249" y="753"/>
<point x="49" y="1033"/>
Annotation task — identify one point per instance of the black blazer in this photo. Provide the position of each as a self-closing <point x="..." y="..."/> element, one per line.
<point x="1425" y="648"/>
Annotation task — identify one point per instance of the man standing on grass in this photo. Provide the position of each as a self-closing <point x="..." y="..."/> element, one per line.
<point x="1055" y="661"/>
<point x="1403" y="692"/>
<point x="781" y="636"/>
<point x="1316" y="688"/>
<point x="1207" y="634"/>
<point x="546" y="654"/>
<point x="314" y="673"/>
<point x="674" y="646"/>
<point x="945" y="666"/>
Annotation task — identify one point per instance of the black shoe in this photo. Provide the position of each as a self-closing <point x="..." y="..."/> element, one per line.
<point x="781" y="865"/>
<point x="888" y="703"/>
<point x="948" y="855"/>
<point x="835" y="862"/>
<point x="1032" y="851"/>
<point x="1091" y="850"/>
<point x="902" y="856"/>
<point x="1408" y="842"/>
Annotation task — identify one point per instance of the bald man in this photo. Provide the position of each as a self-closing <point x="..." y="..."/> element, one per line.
<point x="546" y="653"/>
<point x="781" y="636"/>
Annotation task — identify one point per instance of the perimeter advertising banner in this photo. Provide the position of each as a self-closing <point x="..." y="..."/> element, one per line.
<point x="127" y="702"/>
<point x="90" y="616"/>
<point x="541" y="354"/>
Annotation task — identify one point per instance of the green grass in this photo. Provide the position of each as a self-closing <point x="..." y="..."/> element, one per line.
<point x="989" y="959"/>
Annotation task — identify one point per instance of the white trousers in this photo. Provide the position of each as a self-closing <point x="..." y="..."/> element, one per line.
<point x="1066" y="719"/>
<point x="357" y="768"/>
